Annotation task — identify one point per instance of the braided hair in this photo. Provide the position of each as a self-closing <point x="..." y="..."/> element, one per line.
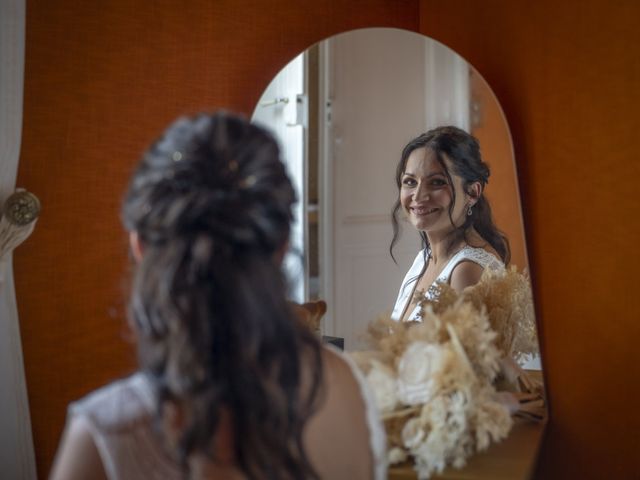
<point x="211" y="204"/>
<point x="463" y="151"/>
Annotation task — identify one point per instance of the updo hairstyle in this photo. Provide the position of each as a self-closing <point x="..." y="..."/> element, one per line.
<point x="211" y="204"/>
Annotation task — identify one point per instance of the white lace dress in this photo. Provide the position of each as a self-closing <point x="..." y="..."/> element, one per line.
<point x="476" y="255"/>
<point x="120" y="418"/>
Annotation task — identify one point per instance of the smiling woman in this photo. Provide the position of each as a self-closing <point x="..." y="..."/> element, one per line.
<point x="342" y="120"/>
<point x="343" y="110"/>
<point x="441" y="179"/>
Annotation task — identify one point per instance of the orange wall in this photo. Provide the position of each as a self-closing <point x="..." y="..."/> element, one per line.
<point x="566" y="74"/>
<point x="101" y="80"/>
<point x="103" y="77"/>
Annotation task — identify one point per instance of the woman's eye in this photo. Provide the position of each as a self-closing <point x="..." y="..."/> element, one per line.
<point x="409" y="182"/>
<point x="438" y="182"/>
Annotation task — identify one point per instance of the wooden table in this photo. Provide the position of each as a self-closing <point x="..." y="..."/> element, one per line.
<point x="513" y="458"/>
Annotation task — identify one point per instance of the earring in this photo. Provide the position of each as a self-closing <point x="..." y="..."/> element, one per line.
<point x="469" y="212"/>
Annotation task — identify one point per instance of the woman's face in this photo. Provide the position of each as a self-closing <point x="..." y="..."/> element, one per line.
<point x="425" y="194"/>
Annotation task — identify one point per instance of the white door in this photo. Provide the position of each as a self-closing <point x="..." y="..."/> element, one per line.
<point x="281" y="110"/>
<point x="383" y="89"/>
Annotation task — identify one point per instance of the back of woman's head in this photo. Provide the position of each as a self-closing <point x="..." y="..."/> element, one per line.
<point x="211" y="205"/>
<point x="463" y="152"/>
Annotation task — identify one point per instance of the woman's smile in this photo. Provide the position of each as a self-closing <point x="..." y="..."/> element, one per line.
<point x="421" y="210"/>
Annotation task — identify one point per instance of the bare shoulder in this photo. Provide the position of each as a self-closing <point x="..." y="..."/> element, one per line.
<point x="465" y="274"/>
<point x="337" y="365"/>
<point x="77" y="456"/>
<point x="341" y="416"/>
<point x="341" y="380"/>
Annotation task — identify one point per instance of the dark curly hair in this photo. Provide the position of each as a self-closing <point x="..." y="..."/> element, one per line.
<point x="211" y="204"/>
<point x="463" y="151"/>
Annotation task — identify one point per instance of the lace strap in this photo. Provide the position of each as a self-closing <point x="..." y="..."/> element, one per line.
<point x="476" y="255"/>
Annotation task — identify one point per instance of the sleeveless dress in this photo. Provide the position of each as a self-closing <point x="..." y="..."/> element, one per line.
<point x="467" y="253"/>
<point x="120" y="417"/>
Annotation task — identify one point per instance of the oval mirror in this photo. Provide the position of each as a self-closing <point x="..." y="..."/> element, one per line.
<point x="342" y="111"/>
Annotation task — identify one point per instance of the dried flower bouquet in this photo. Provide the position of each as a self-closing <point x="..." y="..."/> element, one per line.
<point x="435" y="381"/>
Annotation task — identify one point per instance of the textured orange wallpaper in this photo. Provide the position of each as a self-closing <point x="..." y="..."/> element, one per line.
<point x="566" y="74"/>
<point x="101" y="79"/>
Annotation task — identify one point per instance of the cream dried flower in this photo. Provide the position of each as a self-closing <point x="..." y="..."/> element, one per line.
<point x="413" y="433"/>
<point x="492" y="420"/>
<point x="382" y="381"/>
<point x="419" y="370"/>
<point x="396" y="455"/>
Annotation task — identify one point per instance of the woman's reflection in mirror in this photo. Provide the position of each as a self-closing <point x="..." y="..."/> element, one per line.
<point x="230" y="383"/>
<point x="441" y="180"/>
